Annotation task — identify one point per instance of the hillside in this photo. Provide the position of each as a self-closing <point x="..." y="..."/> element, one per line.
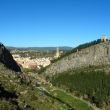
<point x="7" y="59"/>
<point x="97" y="54"/>
<point x="21" y="94"/>
<point x="18" y="90"/>
<point x="85" y="73"/>
<point x="89" y="83"/>
<point x="21" y="90"/>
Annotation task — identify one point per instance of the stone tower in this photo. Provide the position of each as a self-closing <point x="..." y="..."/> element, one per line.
<point x="104" y="38"/>
<point x="57" y="52"/>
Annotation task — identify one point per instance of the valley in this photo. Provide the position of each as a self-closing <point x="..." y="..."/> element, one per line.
<point x="76" y="80"/>
<point x="54" y="55"/>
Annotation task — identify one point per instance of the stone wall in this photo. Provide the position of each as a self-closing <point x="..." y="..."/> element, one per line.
<point x="98" y="54"/>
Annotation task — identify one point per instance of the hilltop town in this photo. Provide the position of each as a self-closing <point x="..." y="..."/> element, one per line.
<point x="32" y="61"/>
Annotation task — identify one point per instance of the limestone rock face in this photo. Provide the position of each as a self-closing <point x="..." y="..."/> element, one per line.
<point x="7" y="59"/>
<point x="98" y="54"/>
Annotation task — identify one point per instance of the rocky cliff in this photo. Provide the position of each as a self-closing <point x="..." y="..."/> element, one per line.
<point x="98" y="54"/>
<point x="7" y="59"/>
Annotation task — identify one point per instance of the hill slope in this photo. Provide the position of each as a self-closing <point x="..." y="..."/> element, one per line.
<point x="85" y="74"/>
<point x="20" y="93"/>
<point x="90" y="83"/>
<point x="98" y="54"/>
<point x="27" y="91"/>
<point x="7" y="59"/>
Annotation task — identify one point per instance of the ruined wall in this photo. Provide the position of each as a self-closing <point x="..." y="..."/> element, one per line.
<point x="98" y="54"/>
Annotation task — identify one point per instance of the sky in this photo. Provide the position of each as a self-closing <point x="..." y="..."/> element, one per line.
<point x="44" y="23"/>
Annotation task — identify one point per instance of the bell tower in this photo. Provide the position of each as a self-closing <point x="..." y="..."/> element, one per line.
<point x="57" y="52"/>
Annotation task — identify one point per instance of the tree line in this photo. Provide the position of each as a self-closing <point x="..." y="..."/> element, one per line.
<point x="92" y="85"/>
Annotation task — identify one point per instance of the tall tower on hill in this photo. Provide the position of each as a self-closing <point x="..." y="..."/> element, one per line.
<point x="57" y="52"/>
<point x="104" y="38"/>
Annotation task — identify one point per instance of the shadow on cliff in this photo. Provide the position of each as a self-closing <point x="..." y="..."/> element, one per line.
<point x="7" y="59"/>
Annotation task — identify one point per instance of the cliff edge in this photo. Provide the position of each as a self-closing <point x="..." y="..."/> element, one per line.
<point x="7" y="59"/>
<point x="98" y="54"/>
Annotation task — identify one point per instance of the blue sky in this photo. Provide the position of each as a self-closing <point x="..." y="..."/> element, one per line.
<point x="53" y="22"/>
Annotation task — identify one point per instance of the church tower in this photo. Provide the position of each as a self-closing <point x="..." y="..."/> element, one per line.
<point x="57" y="52"/>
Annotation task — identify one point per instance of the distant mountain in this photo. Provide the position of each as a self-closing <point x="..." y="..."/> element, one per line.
<point x="65" y="48"/>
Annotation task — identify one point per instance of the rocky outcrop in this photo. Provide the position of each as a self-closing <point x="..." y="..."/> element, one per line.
<point x="7" y="59"/>
<point x="98" y="54"/>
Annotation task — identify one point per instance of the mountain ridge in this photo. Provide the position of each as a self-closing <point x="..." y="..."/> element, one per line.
<point x="40" y="48"/>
